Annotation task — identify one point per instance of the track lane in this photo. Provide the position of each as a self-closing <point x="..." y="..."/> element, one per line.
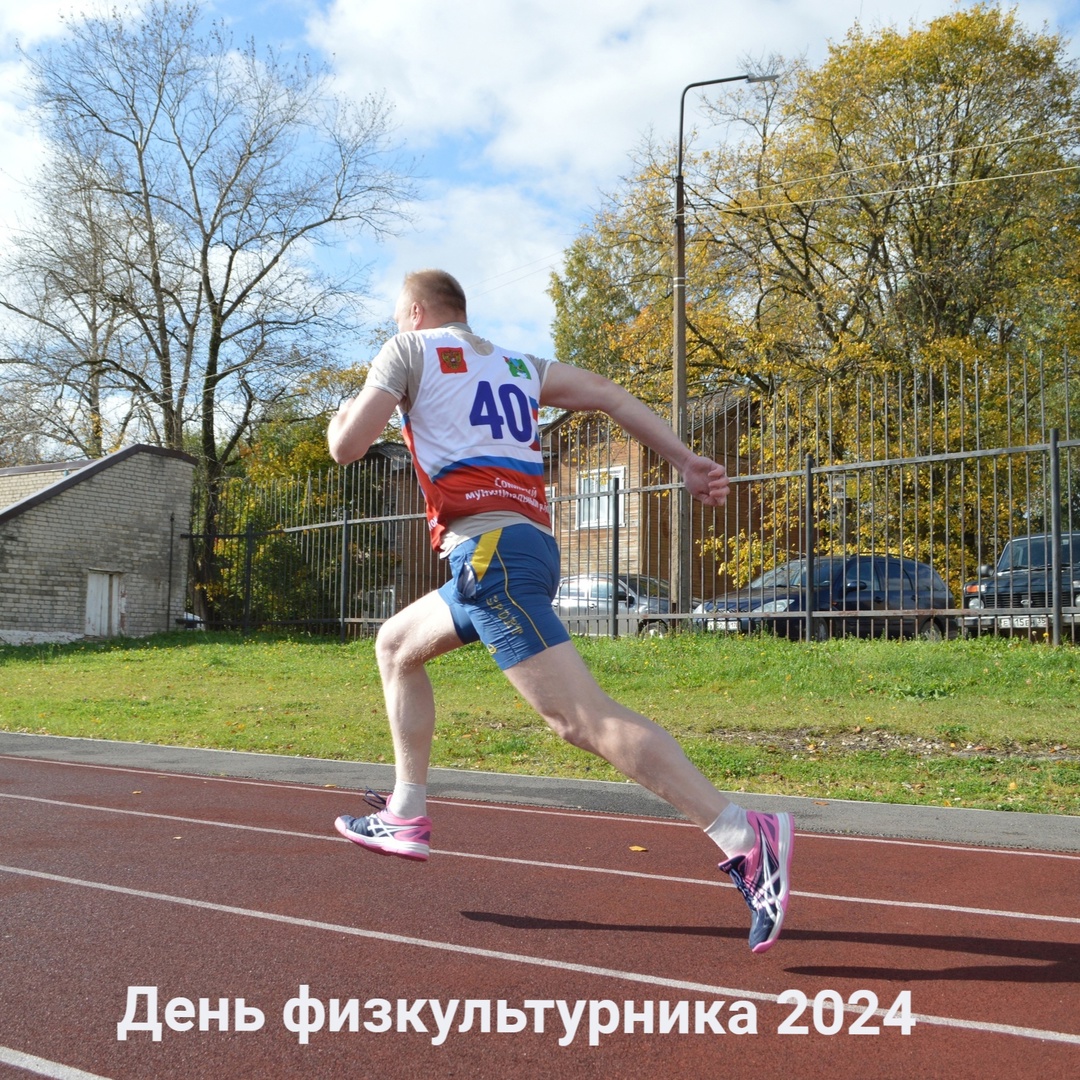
<point x="675" y="924"/>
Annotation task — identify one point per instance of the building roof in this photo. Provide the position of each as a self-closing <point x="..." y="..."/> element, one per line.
<point x="77" y="472"/>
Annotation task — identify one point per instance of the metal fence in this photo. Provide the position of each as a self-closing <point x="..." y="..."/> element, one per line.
<point x="941" y="466"/>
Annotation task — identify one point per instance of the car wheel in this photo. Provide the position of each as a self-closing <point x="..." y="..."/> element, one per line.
<point x="931" y="631"/>
<point x="654" y="628"/>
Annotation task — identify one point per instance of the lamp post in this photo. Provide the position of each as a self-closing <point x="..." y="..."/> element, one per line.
<point x="680" y="525"/>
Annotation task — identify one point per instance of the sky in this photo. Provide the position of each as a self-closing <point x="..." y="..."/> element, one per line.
<point x="520" y="115"/>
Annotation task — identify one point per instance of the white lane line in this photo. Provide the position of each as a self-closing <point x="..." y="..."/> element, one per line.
<point x="940" y="845"/>
<point x="521" y="958"/>
<point x="334" y="789"/>
<point x="43" y="1067"/>
<point x="536" y="863"/>
<point x="588" y="815"/>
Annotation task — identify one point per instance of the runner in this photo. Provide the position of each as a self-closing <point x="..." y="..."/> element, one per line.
<point x="469" y="412"/>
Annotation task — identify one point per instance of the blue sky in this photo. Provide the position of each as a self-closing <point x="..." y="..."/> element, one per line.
<point x="520" y="113"/>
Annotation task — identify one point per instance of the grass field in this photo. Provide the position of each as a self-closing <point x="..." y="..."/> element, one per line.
<point x="983" y="723"/>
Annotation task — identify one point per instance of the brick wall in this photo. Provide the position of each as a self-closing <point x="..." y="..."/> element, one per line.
<point x="18" y="483"/>
<point x="122" y="515"/>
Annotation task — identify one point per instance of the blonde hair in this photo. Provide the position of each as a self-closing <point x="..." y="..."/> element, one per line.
<point x="436" y="289"/>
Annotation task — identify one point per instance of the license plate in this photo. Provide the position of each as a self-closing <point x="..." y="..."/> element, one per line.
<point x="1022" y="622"/>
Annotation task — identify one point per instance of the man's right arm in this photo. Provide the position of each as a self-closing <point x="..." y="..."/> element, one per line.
<point x="358" y="423"/>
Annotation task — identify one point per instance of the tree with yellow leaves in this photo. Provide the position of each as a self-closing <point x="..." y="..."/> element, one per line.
<point x="904" y="213"/>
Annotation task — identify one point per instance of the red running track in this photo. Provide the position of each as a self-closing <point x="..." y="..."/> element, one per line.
<point x="211" y="888"/>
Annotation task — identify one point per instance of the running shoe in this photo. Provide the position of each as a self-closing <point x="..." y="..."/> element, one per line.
<point x="386" y="833"/>
<point x="763" y="876"/>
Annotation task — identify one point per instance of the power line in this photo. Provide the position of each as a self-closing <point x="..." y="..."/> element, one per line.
<point x="548" y="264"/>
<point x="823" y="200"/>
<point x="900" y="162"/>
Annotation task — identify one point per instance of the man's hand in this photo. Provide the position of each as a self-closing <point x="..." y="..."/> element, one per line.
<point x="706" y="480"/>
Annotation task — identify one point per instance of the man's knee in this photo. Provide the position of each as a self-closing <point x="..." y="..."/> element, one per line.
<point x="389" y="643"/>
<point x="570" y="722"/>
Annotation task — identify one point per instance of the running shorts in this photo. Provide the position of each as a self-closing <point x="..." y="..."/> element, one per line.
<point x="500" y="591"/>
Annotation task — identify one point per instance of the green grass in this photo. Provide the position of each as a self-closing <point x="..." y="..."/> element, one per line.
<point x="984" y="723"/>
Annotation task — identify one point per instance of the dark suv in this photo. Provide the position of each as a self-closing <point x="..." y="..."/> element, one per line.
<point x="1018" y="594"/>
<point x="865" y="595"/>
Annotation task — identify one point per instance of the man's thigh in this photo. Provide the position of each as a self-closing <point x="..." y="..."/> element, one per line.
<point x="421" y="631"/>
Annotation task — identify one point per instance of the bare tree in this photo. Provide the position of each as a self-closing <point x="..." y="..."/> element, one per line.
<point x="70" y="347"/>
<point x="20" y="440"/>
<point x="192" y="186"/>
<point x="173" y="283"/>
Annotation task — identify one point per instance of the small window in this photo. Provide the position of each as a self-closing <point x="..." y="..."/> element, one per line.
<point x="595" y="499"/>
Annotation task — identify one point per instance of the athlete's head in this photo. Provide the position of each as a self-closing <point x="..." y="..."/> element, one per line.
<point x="429" y="298"/>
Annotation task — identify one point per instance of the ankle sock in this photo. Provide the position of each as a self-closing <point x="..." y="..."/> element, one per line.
<point x="731" y="832"/>
<point x="408" y="800"/>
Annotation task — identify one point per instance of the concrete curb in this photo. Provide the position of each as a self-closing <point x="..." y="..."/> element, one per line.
<point x="983" y="828"/>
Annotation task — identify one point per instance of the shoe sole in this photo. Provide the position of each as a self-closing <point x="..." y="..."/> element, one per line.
<point x="403" y="849"/>
<point x="785" y="846"/>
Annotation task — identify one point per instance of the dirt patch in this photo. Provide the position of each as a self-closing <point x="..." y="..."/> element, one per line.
<point x="805" y="741"/>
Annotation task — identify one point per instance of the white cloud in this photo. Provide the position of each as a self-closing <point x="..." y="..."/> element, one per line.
<point x="523" y="111"/>
<point x="527" y="111"/>
<point x="565" y="88"/>
<point x="501" y="245"/>
<point x="30" y="24"/>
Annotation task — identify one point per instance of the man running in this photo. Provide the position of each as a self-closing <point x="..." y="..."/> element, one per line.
<point x="469" y="413"/>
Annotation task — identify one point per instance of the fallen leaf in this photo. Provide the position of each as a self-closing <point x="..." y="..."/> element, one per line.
<point x="635" y="847"/>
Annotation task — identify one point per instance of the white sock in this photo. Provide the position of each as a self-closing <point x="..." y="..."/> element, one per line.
<point x="408" y="800"/>
<point x="731" y="832"/>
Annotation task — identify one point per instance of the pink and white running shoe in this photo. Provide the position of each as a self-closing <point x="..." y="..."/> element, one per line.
<point x="408" y="838"/>
<point x="764" y="876"/>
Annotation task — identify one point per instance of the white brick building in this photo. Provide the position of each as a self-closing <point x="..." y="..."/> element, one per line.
<point x="94" y="548"/>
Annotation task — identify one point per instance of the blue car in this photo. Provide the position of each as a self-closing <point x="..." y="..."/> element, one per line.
<point x="862" y="595"/>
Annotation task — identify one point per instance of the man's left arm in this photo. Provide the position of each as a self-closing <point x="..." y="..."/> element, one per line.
<point x="580" y="390"/>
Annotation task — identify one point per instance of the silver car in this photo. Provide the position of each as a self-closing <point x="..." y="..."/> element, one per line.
<point x="585" y="602"/>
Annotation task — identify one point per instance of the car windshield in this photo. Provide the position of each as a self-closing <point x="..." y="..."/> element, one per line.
<point x="641" y="585"/>
<point x="794" y="573"/>
<point x="788" y="574"/>
<point x="1034" y="552"/>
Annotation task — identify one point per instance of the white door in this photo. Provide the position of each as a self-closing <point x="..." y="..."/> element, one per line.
<point x="102" y="603"/>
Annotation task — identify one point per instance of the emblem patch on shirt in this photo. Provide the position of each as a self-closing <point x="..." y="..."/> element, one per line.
<point x="518" y="368"/>
<point x="451" y="360"/>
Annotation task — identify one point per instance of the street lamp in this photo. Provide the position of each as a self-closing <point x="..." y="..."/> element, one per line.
<point x="680" y="531"/>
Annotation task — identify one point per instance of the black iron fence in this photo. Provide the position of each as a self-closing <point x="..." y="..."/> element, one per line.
<point x="937" y="468"/>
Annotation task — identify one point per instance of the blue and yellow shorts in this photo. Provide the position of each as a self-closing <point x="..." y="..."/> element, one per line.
<point x="500" y="591"/>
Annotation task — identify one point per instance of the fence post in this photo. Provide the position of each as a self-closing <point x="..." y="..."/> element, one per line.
<point x="808" y="547"/>
<point x="614" y="513"/>
<point x="249" y="549"/>
<point x="168" y="591"/>
<point x="343" y="598"/>
<point x="1055" y="536"/>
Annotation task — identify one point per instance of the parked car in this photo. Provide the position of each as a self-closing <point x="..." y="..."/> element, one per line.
<point x="1008" y="598"/>
<point x="585" y="602"/>
<point x="866" y="595"/>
